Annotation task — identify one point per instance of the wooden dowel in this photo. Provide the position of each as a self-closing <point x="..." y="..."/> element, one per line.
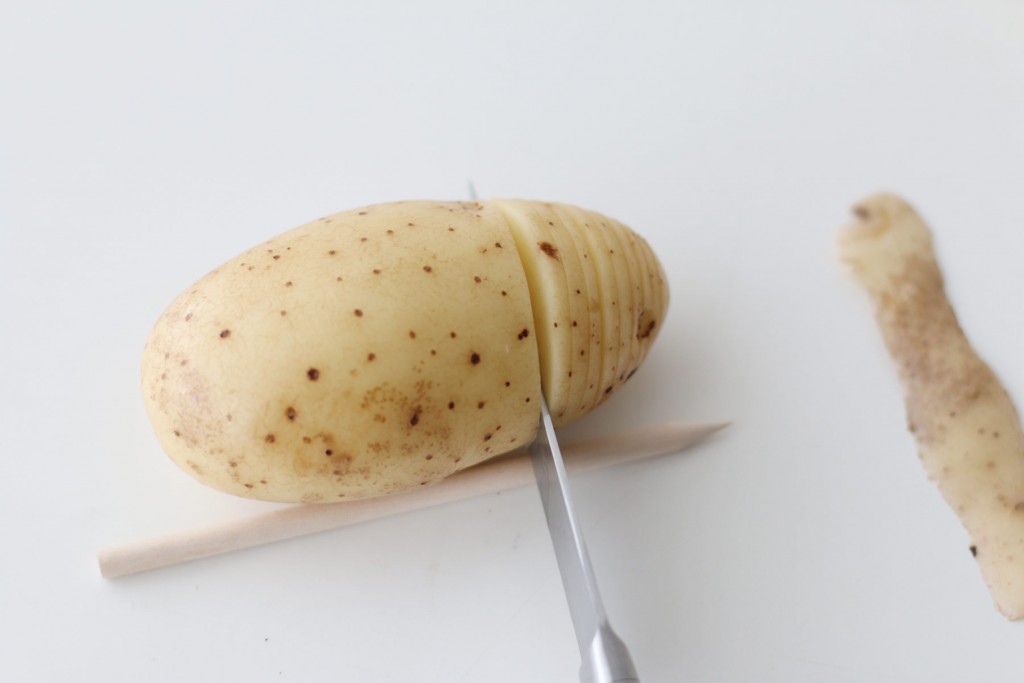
<point x="496" y="475"/>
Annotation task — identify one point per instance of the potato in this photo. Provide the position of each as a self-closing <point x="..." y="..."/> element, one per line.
<point x="966" y="427"/>
<point x="385" y="348"/>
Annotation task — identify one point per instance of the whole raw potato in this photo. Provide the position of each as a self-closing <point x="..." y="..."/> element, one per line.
<point x="387" y="347"/>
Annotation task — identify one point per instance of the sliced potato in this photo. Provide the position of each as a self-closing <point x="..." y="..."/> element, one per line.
<point x="384" y="348"/>
<point x="545" y="271"/>
<point x="591" y="290"/>
<point x="612" y="320"/>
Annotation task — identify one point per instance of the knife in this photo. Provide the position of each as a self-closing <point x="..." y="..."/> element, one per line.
<point x="605" y="658"/>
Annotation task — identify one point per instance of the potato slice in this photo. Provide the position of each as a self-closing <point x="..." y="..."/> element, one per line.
<point x="625" y="276"/>
<point x="966" y="427"/>
<point x="651" y="310"/>
<point x="587" y="226"/>
<point x="544" y="260"/>
<point x="579" y="314"/>
<point x="592" y="349"/>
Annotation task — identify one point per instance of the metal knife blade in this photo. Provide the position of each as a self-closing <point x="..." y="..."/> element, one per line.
<point x="605" y="657"/>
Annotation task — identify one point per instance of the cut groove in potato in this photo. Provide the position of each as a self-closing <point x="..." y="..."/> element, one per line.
<point x="593" y="348"/>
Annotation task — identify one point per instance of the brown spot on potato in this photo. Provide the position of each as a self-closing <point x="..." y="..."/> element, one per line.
<point x="313" y="374"/>
<point x="524" y="334"/>
<point x="474" y="358"/>
<point x="288" y="284"/>
<point x="862" y="212"/>
<point x="358" y="312"/>
<point x="451" y="405"/>
<point x="549" y="249"/>
<point x="332" y="252"/>
<point x="481" y="404"/>
<point x="412" y="334"/>
<point x="290" y="413"/>
<point x="476" y="278"/>
<point x="427" y="269"/>
<point x="415" y="419"/>
<point x="270" y="438"/>
<point x="644" y="331"/>
<point x="276" y="256"/>
<point x="370" y="356"/>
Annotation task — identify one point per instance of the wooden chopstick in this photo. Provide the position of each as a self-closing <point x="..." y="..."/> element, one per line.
<point x="496" y="475"/>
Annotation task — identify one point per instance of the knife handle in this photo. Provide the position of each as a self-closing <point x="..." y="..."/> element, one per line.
<point x="607" y="659"/>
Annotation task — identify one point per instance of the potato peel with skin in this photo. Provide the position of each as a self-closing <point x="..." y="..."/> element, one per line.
<point x="966" y="427"/>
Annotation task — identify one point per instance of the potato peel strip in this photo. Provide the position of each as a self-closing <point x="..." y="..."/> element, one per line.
<point x="966" y="427"/>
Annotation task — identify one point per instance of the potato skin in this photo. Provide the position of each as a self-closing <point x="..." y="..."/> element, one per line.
<point x="965" y="424"/>
<point x="369" y="352"/>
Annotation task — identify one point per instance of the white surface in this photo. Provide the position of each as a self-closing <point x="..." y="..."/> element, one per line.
<point x="142" y="146"/>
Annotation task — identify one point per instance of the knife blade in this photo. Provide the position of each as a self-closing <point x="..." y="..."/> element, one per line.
<point x="605" y="658"/>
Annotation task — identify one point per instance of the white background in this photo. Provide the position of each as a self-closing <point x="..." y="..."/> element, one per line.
<point x="142" y="144"/>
